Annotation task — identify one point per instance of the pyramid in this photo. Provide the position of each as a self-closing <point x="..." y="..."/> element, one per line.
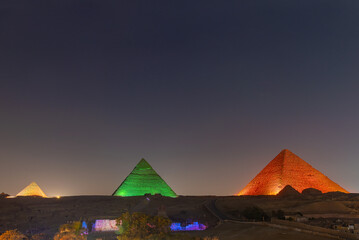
<point x="289" y="169"/>
<point x="288" y="191"/>
<point x="31" y="190"/>
<point x="143" y="180"/>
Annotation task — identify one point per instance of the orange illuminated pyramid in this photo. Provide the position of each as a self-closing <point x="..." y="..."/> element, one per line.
<point x="289" y="169"/>
<point x="32" y="190"/>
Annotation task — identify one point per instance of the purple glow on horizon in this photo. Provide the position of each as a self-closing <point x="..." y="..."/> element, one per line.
<point x="195" y="226"/>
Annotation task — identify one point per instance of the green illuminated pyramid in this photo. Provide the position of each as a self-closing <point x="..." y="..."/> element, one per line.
<point x="143" y="180"/>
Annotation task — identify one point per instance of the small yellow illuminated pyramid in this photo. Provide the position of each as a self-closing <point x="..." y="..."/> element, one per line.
<point x="32" y="190"/>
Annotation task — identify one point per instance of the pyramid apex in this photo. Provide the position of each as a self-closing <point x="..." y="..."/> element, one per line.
<point x="286" y="152"/>
<point x="143" y="164"/>
<point x="143" y="160"/>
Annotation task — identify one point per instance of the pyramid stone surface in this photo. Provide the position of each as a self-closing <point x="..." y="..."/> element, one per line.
<point x="32" y="190"/>
<point x="143" y="180"/>
<point x="289" y="169"/>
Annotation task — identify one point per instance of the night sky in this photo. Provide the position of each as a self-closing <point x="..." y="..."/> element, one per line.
<point x="207" y="91"/>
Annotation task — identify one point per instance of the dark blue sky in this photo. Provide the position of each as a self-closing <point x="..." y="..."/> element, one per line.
<point x="207" y="91"/>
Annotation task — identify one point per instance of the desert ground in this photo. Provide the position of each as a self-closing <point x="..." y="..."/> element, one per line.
<point x="221" y="214"/>
<point x="239" y="231"/>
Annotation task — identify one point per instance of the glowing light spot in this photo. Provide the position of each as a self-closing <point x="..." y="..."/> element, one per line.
<point x="195" y="226"/>
<point x="105" y="225"/>
<point x="84" y="225"/>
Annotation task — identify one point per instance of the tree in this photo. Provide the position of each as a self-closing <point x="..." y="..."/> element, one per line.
<point x="75" y="227"/>
<point x="69" y="236"/>
<point x="142" y="226"/>
<point x="70" y="231"/>
<point x="139" y="226"/>
<point x="12" y="235"/>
